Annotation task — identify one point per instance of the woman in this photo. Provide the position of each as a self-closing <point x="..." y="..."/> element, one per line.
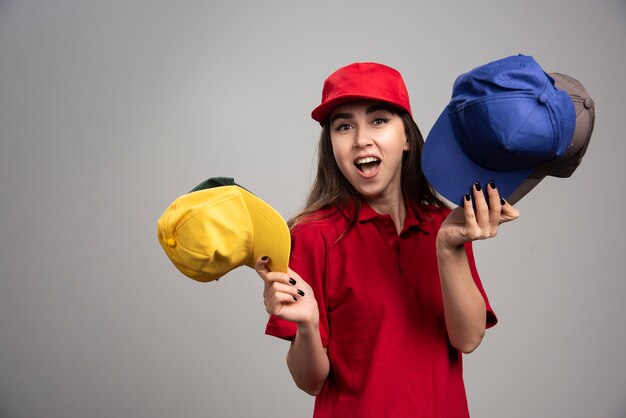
<point x="384" y="294"/>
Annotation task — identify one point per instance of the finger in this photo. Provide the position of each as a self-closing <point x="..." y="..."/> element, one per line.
<point x="261" y="268"/>
<point x="295" y="279"/>
<point x="261" y="265"/>
<point x="278" y="277"/>
<point x="468" y="210"/>
<point x="480" y="204"/>
<point x="278" y="287"/>
<point x="495" y="207"/>
<point x="268" y="276"/>
<point x="509" y="212"/>
<point x="277" y="301"/>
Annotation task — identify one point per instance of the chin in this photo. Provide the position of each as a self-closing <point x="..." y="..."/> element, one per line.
<point x="369" y="193"/>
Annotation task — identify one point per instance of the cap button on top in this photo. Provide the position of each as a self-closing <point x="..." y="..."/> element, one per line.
<point x="543" y="98"/>
<point x="171" y="242"/>
<point x="588" y="103"/>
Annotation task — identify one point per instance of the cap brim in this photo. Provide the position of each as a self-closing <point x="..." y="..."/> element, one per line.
<point x="271" y="233"/>
<point x="322" y="112"/>
<point x="452" y="173"/>
<point x="523" y="189"/>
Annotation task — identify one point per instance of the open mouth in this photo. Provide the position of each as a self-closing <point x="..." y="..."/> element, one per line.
<point x="367" y="165"/>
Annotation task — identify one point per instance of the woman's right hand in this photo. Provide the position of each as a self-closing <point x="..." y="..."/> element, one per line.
<point x="287" y="295"/>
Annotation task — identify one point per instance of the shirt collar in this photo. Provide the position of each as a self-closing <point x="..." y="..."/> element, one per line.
<point x="367" y="213"/>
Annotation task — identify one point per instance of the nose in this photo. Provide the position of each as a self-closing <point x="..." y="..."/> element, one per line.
<point x="363" y="138"/>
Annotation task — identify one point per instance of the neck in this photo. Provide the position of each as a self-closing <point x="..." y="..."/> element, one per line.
<point x="392" y="206"/>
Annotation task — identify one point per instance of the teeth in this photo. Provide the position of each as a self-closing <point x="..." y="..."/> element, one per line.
<point x="366" y="160"/>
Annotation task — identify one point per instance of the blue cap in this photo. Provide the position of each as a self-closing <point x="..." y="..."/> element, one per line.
<point x="504" y="120"/>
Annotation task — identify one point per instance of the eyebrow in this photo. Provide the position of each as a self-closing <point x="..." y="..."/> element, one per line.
<point x="369" y="110"/>
<point x="380" y="106"/>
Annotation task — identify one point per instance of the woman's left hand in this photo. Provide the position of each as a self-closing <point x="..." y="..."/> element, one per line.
<point x="465" y="223"/>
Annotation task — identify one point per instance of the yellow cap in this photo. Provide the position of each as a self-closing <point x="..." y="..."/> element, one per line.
<point x="209" y="232"/>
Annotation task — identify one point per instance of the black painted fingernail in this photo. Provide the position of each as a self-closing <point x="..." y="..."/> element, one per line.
<point x="477" y="185"/>
<point x="265" y="258"/>
<point x="467" y="197"/>
<point x="295" y="299"/>
<point x="300" y="292"/>
<point x="292" y="281"/>
<point x="492" y="184"/>
<point x="502" y="201"/>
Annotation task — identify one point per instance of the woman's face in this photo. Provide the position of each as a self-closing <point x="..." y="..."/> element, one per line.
<point x="368" y="141"/>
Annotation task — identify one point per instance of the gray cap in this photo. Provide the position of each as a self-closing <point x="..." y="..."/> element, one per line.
<point x="567" y="164"/>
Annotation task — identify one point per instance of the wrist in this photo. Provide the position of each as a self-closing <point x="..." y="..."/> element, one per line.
<point x="309" y="327"/>
<point x="446" y="248"/>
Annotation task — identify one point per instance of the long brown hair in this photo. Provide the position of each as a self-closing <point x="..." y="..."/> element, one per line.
<point x="331" y="188"/>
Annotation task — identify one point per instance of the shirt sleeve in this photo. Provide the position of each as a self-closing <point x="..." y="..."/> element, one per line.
<point x="491" y="316"/>
<point x="308" y="259"/>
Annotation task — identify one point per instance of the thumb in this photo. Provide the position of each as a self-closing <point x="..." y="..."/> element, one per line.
<point x="261" y="267"/>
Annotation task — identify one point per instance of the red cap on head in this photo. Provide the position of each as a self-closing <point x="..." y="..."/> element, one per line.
<point x="362" y="81"/>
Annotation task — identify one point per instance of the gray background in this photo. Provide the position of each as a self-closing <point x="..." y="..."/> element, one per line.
<point x="109" y="110"/>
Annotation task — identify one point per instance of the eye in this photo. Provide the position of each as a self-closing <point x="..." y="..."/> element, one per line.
<point x="342" y="127"/>
<point x="379" y="121"/>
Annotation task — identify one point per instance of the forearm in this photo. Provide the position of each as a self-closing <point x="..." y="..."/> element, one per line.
<point x="307" y="359"/>
<point x="464" y="306"/>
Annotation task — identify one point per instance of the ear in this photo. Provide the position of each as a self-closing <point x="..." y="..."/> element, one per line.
<point x="406" y="146"/>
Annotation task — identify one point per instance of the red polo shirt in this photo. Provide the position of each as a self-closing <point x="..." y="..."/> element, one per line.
<point x="381" y="316"/>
